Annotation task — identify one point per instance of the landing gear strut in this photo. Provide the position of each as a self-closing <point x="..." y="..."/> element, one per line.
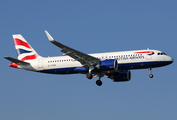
<point x="150" y="73"/>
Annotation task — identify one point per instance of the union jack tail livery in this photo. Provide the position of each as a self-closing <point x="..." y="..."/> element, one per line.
<point x="24" y="51"/>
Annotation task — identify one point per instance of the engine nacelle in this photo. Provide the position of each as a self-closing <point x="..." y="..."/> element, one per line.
<point x="121" y="76"/>
<point x="105" y="65"/>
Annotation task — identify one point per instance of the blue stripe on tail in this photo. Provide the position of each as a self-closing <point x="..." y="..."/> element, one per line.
<point x="21" y="51"/>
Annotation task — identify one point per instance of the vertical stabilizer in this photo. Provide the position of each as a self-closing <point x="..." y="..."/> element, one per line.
<point x="24" y="50"/>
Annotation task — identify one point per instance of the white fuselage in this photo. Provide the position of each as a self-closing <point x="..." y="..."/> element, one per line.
<point x="138" y="59"/>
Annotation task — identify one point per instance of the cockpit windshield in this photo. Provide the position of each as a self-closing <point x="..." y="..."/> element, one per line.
<point x="161" y="53"/>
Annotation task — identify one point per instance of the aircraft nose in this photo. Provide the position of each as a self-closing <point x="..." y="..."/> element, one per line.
<point x="170" y="59"/>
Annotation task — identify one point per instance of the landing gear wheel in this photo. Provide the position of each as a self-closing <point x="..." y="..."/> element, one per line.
<point x="89" y="76"/>
<point x="98" y="82"/>
<point x="151" y="75"/>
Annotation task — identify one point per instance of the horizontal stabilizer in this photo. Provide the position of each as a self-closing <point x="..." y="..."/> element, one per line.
<point x="16" y="61"/>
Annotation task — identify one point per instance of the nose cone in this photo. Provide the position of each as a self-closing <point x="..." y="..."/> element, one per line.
<point x="172" y="60"/>
<point x="169" y="60"/>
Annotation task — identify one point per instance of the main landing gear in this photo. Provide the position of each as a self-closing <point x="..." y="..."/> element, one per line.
<point x="89" y="76"/>
<point x="150" y="73"/>
<point x="98" y="82"/>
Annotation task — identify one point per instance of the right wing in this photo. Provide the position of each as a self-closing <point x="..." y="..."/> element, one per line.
<point x="86" y="60"/>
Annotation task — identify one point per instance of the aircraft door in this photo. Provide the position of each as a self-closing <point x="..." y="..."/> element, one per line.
<point x="40" y="63"/>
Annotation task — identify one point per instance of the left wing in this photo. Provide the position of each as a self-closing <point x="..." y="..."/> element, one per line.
<point x="89" y="62"/>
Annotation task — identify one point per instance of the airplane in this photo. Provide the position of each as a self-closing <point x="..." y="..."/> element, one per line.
<point x="115" y="65"/>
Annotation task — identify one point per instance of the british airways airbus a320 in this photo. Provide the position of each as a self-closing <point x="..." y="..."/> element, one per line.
<point x="115" y="65"/>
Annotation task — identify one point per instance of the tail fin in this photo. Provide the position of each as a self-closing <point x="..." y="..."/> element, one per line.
<point x="24" y="50"/>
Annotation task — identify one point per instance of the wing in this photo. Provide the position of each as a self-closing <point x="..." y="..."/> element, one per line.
<point x="86" y="60"/>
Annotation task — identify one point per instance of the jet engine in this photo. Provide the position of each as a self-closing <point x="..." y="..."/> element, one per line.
<point x="105" y="65"/>
<point x="120" y="76"/>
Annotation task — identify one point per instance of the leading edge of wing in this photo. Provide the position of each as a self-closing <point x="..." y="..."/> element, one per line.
<point x="83" y="58"/>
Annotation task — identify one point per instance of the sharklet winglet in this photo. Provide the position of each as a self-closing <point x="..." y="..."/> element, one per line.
<point x="49" y="36"/>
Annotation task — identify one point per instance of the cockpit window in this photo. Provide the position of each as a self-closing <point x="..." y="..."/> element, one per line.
<point x="164" y="53"/>
<point x="161" y="53"/>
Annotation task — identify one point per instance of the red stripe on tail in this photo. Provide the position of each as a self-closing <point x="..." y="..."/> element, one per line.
<point x="20" y="42"/>
<point x="30" y="57"/>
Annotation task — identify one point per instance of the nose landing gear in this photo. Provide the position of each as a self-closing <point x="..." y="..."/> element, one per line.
<point x="150" y="73"/>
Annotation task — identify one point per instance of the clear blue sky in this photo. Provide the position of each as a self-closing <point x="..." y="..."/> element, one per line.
<point x="91" y="27"/>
